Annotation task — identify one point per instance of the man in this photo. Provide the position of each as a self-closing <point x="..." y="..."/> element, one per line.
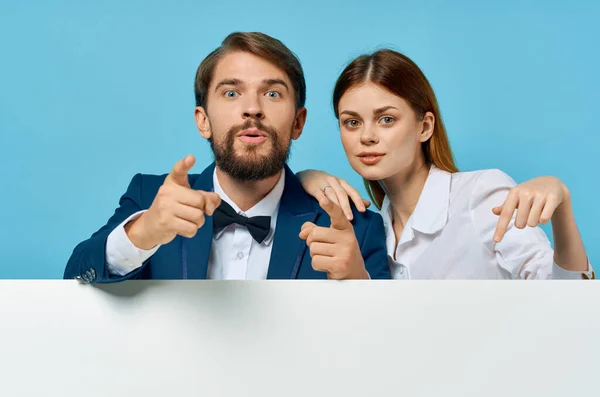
<point x="241" y="218"/>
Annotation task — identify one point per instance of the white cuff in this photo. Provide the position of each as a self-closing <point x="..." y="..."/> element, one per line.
<point x="122" y="257"/>
<point x="561" y="274"/>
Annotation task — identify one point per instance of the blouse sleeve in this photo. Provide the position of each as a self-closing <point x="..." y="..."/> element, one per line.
<point x="524" y="253"/>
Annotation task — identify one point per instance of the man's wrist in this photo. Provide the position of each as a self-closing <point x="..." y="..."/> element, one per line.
<point x="135" y="231"/>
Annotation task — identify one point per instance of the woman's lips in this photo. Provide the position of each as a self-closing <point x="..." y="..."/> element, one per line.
<point x="370" y="158"/>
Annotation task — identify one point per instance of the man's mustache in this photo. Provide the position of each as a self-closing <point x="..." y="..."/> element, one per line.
<point x="255" y="124"/>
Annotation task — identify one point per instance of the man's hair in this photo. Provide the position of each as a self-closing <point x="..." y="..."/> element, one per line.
<point x="261" y="45"/>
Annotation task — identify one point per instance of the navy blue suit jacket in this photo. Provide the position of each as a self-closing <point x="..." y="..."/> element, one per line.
<point x="187" y="258"/>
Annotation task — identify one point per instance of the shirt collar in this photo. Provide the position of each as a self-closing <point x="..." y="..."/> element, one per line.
<point x="268" y="206"/>
<point x="431" y="212"/>
<point x="390" y="235"/>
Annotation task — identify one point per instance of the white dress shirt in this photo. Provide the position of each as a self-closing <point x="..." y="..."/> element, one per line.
<point x="235" y="255"/>
<point x="450" y="234"/>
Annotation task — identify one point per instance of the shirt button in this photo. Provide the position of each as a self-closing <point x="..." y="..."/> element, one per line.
<point x="240" y="255"/>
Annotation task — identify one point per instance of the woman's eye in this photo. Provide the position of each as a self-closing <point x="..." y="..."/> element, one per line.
<point x="352" y="123"/>
<point x="387" y="120"/>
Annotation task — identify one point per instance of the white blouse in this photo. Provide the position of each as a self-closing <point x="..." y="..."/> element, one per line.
<point x="450" y="234"/>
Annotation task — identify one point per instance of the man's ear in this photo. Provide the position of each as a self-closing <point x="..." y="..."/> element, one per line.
<point x="202" y="122"/>
<point x="299" y="123"/>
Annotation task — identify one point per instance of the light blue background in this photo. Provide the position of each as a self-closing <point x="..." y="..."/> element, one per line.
<point x="92" y="93"/>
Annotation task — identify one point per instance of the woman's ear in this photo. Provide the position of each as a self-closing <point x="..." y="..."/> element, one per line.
<point x="428" y="126"/>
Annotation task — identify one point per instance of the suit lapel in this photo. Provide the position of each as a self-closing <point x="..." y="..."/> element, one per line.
<point x="296" y="208"/>
<point x="196" y="250"/>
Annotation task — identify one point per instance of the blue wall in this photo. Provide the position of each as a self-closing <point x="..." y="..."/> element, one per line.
<point x="90" y="94"/>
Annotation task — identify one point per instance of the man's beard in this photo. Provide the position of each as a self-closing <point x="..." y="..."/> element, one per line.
<point x="250" y="166"/>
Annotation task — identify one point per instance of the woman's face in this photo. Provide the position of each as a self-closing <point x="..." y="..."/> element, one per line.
<point x="380" y="131"/>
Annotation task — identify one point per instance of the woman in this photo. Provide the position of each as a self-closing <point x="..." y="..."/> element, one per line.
<point x="440" y="223"/>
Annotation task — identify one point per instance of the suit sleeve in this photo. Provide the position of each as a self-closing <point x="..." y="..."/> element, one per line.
<point x="374" y="250"/>
<point x="88" y="259"/>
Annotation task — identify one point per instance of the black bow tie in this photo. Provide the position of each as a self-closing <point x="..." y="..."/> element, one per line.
<point x="258" y="226"/>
